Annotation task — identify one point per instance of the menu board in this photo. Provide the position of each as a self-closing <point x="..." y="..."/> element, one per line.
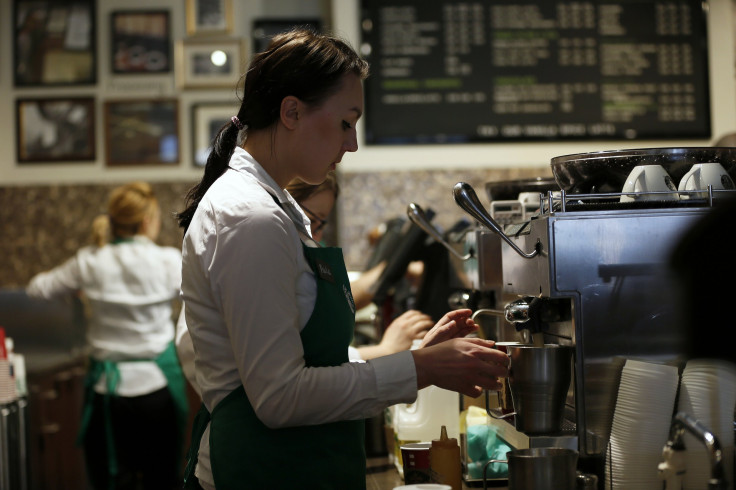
<point x="448" y="71"/>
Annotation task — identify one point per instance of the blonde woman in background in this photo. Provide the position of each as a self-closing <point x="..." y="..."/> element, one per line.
<point x="135" y="403"/>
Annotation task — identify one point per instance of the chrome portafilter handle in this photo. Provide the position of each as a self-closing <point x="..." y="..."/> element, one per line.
<point x="419" y="217"/>
<point x="466" y="198"/>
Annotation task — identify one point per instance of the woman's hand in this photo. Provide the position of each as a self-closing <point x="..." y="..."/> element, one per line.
<point x="456" y="323"/>
<point x="407" y="327"/>
<point x="399" y="335"/>
<point x="465" y="365"/>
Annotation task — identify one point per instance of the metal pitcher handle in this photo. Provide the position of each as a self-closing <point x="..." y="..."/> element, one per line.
<point x="490" y="412"/>
<point x="485" y="470"/>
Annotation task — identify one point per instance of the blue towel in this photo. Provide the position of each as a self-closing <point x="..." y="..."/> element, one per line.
<point x="483" y="446"/>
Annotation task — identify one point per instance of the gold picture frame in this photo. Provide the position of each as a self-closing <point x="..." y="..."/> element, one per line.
<point x="206" y="17"/>
<point x="209" y="63"/>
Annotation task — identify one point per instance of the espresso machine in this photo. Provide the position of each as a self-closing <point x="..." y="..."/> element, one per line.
<point x="591" y="270"/>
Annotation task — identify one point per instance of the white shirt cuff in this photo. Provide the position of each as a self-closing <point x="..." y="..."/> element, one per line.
<point x="396" y="377"/>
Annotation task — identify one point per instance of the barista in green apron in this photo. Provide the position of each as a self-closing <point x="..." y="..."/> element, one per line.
<point x="168" y="362"/>
<point x="245" y="453"/>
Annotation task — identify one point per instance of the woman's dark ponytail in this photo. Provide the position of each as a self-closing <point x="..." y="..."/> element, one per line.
<point x="300" y="63"/>
<point x="223" y="146"/>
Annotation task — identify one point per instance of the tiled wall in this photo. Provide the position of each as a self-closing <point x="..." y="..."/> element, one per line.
<point x="368" y="199"/>
<point x="42" y="226"/>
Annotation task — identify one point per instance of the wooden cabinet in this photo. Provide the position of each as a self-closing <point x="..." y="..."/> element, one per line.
<point x="55" y="400"/>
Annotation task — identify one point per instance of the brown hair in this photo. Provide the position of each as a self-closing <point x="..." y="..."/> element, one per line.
<point x="301" y="191"/>
<point x="300" y="63"/>
<point x="127" y="207"/>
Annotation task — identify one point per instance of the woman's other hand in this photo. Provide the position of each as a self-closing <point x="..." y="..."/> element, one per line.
<point x="399" y="335"/>
<point x="454" y="324"/>
<point x="407" y="327"/>
<point x="467" y="365"/>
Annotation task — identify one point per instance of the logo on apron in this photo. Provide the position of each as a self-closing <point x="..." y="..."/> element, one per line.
<point x="349" y="297"/>
<point x="324" y="271"/>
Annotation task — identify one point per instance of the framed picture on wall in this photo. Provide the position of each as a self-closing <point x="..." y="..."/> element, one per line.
<point x="265" y="29"/>
<point x="54" y="42"/>
<point x="55" y="129"/>
<point x="209" y="17"/>
<point x="140" y="41"/>
<point x="207" y="119"/>
<point x="209" y="63"/>
<point x="142" y="132"/>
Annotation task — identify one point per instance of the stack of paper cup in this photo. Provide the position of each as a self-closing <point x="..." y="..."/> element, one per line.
<point x="708" y="393"/>
<point x="641" y="423"/>
<point x="8" y="391"/>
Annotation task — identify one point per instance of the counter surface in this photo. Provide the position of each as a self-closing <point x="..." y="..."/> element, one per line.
<point x="382" y="475"/>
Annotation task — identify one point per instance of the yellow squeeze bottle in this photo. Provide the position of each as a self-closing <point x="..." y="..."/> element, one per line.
<point x="444" y="461"/>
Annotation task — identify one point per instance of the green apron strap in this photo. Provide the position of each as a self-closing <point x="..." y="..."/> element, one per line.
<point x="93" y="375"/>
<point x="112" y="377"/>
<point x="198" y="427"/>
<point x="169" y="364"/>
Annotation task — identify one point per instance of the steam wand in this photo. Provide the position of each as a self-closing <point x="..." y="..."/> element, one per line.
<point x="672" y="469"/>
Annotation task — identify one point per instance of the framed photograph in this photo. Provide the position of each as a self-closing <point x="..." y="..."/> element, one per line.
<point x="54" y="42"/>
<point x="58" y="129"/>
<point x="209" y="17"/>
<point x="207" y="120"/>
<point x="142" y="132"/>
<point x="209" y="64"/>
<point x="140" y="41"/>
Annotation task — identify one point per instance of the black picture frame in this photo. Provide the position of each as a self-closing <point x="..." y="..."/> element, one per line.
<point x="142" y="132"/>
<point x="58" y="129"/>
<point x="54" y="42"/>
<point x="140" y="41"/>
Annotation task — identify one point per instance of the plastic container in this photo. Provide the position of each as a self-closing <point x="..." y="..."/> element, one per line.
<point x="421" y="421"/>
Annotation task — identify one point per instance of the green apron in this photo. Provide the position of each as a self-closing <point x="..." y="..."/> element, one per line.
<point x="245" y="454"/>
<point x="168" y="362"/>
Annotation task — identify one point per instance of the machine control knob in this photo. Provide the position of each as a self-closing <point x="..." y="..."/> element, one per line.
<point x="517" y="311"/>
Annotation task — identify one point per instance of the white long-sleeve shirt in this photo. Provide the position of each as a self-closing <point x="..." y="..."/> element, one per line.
<point x="130" y="287"/>
<point x="248" y="291"/>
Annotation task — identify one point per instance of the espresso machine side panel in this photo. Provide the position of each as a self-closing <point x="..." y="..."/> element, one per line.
<point x="615" y="268"/>
<point x="523" y="276"/>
